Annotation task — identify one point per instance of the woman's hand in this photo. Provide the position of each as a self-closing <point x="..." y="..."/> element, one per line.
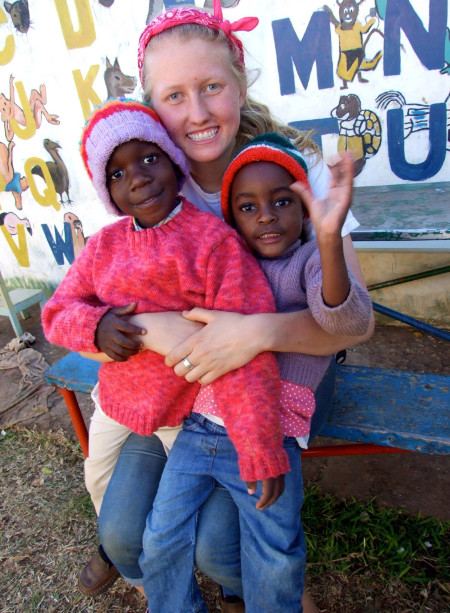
<point x="227" y="342"/>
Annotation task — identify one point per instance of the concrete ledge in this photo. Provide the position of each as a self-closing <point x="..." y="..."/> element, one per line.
<point x="412" y="217"/>
<point x="425" y="246"/>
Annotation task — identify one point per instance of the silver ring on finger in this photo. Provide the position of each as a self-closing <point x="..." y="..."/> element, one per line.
<point x="187" y="364"/>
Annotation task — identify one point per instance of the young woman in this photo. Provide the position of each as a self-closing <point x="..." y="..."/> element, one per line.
<point x="192" y="69"/>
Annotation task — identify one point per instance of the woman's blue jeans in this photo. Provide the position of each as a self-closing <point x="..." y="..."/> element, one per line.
<point x="129" y="499"/>
<point x="272" y="543"/>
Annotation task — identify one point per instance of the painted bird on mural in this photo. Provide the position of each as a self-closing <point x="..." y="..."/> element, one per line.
<point x="416" y="115"/>
<point x="76" y="228"/>
<point x="57" y="169"/>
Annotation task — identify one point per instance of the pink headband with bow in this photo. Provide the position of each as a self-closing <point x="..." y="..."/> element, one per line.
<point x="177" y="17"/>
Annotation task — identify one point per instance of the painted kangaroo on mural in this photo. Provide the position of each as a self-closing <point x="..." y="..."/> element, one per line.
<point x="117" y="83"/>
<point x="351" y="46"/>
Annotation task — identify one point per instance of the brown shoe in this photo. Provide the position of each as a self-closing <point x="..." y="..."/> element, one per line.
<point x="232" y="604"/>
<point x="97" y="576"/>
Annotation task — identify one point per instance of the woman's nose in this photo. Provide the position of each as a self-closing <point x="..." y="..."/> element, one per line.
<point x="198" y="110"/>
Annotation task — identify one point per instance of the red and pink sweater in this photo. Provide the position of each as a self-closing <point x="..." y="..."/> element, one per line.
<point x="193" y="260"/>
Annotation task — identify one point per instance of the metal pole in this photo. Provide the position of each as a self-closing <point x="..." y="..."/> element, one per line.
<point x="415" y="277"/>
<point x="411" y="321"/>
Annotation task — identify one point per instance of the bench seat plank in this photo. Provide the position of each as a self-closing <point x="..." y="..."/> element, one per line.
<point x="396" y="408"/>
<point x="392" y="408"/>
<point x="73" y="372"/>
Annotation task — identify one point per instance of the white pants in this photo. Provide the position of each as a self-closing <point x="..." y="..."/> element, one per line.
<point x="106" y="437"/>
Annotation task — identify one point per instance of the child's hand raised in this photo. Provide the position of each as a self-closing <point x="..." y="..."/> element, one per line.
<point x="115" y="335"/>
<point x="328" y="215"/>
<point x="271" y="490"/>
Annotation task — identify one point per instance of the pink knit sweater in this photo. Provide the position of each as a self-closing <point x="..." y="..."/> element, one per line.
<point x="193" y="260"/>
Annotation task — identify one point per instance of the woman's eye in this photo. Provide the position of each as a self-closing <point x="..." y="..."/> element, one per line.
<point x="150" y="159"/>
<point x="212" y="87"/>
<point x="174" y="97"/>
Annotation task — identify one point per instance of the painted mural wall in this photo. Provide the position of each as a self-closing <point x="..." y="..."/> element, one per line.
<point x="367" y="75"/>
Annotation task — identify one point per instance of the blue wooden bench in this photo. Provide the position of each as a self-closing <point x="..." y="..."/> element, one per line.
<point x="379" y="411"/>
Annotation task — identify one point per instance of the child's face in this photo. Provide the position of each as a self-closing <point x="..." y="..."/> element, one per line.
<point x="142" y="181"/>
<point x="268" y="215"/>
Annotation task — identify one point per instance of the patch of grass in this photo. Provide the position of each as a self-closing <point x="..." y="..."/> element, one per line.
<point x="83" y="506"/>
<point x="362" y="559"/>
<point x="347" y="535"/>
<point x="388" y="551"/>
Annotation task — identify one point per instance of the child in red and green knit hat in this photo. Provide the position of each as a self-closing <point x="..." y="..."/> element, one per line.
<point x="267" y="197"/>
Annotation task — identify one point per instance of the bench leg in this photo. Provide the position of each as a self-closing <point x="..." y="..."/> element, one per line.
<point x="77" y="419"/>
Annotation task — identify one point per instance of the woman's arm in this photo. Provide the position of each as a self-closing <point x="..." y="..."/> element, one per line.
<point x="230" y="340"/>
<point x="164" y="331"/>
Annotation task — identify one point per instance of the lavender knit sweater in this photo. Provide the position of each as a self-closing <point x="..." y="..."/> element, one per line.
<point x="296" y="281"/>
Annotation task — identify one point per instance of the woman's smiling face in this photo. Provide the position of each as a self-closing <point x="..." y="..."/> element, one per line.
<point x="196" y="95"/>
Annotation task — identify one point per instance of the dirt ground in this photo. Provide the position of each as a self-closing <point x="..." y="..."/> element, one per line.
<point x="414" y="482"/>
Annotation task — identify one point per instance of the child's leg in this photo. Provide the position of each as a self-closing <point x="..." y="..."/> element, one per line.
<point x="169" y="537"/>
<point x="273" y="550"/>
<point x="106" y="437"/>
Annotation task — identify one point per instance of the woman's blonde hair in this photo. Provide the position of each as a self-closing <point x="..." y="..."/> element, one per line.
<point x="256" y="117"/>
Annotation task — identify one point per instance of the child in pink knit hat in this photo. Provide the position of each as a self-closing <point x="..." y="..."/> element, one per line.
<point x="258" y="198"/>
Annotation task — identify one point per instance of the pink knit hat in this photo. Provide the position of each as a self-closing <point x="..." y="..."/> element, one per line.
<point x="269" y="147"/>
<point x="119" y="121"/>
<point x="179" y="16"/>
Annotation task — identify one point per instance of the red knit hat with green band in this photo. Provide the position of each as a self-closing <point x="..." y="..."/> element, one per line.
<point x="270" y="147"/>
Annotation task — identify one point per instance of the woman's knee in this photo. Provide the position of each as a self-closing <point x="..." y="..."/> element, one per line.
<point x="127" y="503"/>
<point x="122" y="543"/>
